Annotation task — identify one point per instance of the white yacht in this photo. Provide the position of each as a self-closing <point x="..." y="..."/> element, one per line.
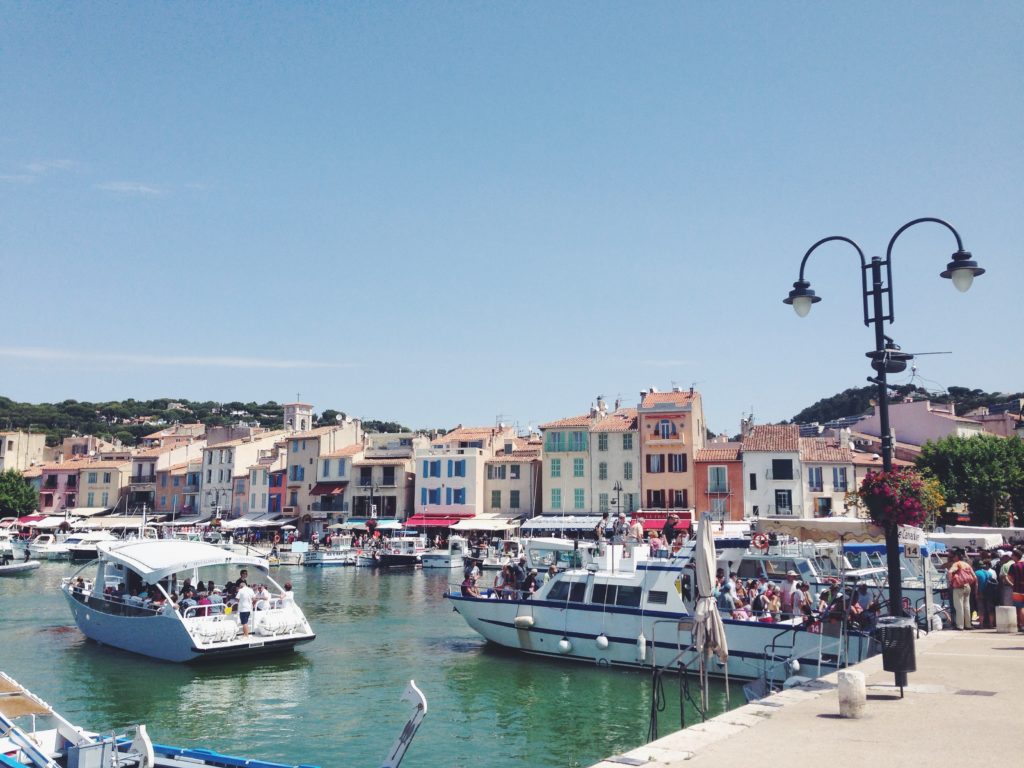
<point x="627" y="609"/>
<point x="49" y="546"/>
<point x="109" y="607"/>
<point x="81" y="546"/>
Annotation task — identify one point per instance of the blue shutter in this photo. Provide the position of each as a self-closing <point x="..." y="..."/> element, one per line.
<point x="447" y="495"/>
<point x="426" y="468"/>
<point x="423" y="496"/>
<point x="451" y="465"/>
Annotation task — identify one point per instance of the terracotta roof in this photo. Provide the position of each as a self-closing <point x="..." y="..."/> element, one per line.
<point x="258" y="437"/>
<point x="317" y="432"/>
<point x="382" y="462"/>
<point x="781" y="438"/>
<point x="874" y="460"/>
<point x="673" y="398"/>
<point x="720" y="452"/>
<point x="515" y="458"/>
<point x="467" y="434"/>
<point x="622" y="420"/>
<point x="572" y="421"/>
<point x="824" y="449"/>
<point x="348" y="450"/>
<point x="176" y="469"/>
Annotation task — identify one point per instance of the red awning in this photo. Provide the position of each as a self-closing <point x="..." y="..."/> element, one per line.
<point x="327" y="489"/>
<point x="432" y="521"/>
<point x="651" y="524"/>
<point x="30" y="519"/>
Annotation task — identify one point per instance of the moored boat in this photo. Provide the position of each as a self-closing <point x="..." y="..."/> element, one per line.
<point x="627" y="609"/>
<point x="47" y="546"/>
<point x="111" y="610"/>
<point x="448" y="557"/>
<point x="17" y="569"/>
<point x="81" y="546"/>
<point x="402" y="552"/>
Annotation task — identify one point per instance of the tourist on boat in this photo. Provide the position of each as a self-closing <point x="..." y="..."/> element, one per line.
<point x="245" y="597"/>
<point x="187" y="601"/>
<point x="668" y="530"/>
<point x="243" y="577"/>
<point x="636" y="530"/>
<point x="288" y="596"/>
<point x="620" y="529"/>
<point x="519" y="576"/>
<point x="601" y="529"/>
<point x="202" y="603"/>
<point x="469" y="588"/>
<point x="726" y="600"/>
<point x="216" y="597"/>
<point x="774" y="602"/>
<point x="262" y="597"/>
<point x="530" y="584"/>
<point x="315" y="541"/>
<point x="787" y="592"/>
<point x="499" y="583"/>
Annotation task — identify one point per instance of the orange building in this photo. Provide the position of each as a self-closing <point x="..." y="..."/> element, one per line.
<point x="718" y="479"/>
<point x="672" y="430"/>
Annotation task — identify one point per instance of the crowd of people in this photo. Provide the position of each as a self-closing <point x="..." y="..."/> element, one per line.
<point x="979" y="585"/>
<point x="763" y="600"/>
<point x="513" y="581"/>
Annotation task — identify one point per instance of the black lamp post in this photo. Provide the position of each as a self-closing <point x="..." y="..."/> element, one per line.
<point x="886" y="358"/>
<point x="618" y="496"/>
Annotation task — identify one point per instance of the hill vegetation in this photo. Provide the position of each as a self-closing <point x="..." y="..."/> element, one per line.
<point x="858" y="400"/>
<point x="130" y="420"/>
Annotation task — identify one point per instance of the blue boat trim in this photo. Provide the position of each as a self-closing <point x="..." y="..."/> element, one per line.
<point x="211" y="757"/>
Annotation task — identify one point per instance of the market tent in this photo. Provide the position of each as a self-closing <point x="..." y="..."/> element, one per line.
<point x="968" y="540"/>
<point x="562" y="523"/>
<point x="115" y="522"/>
<point x="823" y="529"/>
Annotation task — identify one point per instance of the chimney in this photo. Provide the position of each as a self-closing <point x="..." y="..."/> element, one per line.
<point x="618" y="403"/>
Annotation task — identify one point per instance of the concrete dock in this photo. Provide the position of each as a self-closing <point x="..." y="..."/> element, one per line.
<point x="962" y="701"/>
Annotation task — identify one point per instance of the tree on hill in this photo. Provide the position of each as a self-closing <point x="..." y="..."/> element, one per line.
<point x="17" y="496"/>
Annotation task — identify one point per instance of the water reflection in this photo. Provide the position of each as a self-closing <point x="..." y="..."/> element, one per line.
<point x="336" y="699"/>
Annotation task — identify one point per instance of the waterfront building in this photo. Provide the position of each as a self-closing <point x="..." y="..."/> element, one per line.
<point x="827" y="468"/>
<point x="170" y="483"/>
<point x="614" y="460"/>
<point x="59" y="487"/>
<point x="21" y="450"/>
<point x="333" y="491"/>
<point x="718" y="480"/>
<point x="305" y="450"/>
<point x="89" y="446"/>
<point x="385" y="475"/>
<point x="271" y="464"/>
<point x="103" y="482"/>
<point x="451" y="471"/>
<point x="672" y="430"/>
<point x="512" y="482"/>
<point x="592" y="462"/>
<point x="220" y="465"/>
<point x="142" y="488"/>
<point x="771" y="466"/>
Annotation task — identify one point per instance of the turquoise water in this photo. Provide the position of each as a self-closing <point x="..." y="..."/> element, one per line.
<point x="336" y="701"/>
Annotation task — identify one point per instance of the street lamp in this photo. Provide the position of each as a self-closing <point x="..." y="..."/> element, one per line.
<point x="374" y="487"/>
<point x="886" y="358"/>
<point x="618" y="492"/>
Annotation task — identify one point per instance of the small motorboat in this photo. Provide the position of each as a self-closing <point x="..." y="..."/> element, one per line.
<point x="82" y="546"/>
<point x="128" y="603"/>
<point x="46" y="546"/>
<point x="9" y="568"/>
<point x="33" y="733"/>
<point x="447" y="558"/>
<point x="403" y="552"/>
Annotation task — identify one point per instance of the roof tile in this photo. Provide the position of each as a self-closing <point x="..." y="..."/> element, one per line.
<point x="779" y="438"/>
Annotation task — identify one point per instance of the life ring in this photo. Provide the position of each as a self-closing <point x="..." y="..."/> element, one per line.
<point x="277" y="538"/>
<point x="760" y="540"/>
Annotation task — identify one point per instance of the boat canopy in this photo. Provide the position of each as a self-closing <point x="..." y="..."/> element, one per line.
<point x="1010" y="535"/>
<point x="827" y="529"/>
<point x="562" y="523"/>
<point x="157" y="559"/>
<point x="879" y="549"/>
<point x="87" y="511"/>
<point x="52" y="521"/>
<point x="116" y="522"/>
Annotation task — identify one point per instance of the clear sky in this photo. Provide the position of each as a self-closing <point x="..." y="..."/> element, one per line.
<point x="446" y="212"/>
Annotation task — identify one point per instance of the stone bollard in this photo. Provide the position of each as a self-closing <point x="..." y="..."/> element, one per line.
<point x="853" y="694"/>
<point x="1006" y="619"/>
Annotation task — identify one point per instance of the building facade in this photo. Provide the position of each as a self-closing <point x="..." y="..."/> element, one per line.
<point x="672" y="430"/>
<point x="771" y="468"/>
<point x="718" y="479"/>
<point x="21" y="450"/>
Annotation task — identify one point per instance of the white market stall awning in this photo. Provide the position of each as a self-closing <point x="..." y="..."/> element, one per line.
<point x="823" y="529"/>
<point x="157" y="559"/>
<point x="88" y="511"/>
<point x="485" y="524"/>
<point x="1010" y="535"/>
<point x="131" y="521"/>
<point x="968" y="540"/>
<point x="51" y="521"/>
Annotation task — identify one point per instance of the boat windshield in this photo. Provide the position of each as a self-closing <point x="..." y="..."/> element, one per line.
<point x="571" y="591"/>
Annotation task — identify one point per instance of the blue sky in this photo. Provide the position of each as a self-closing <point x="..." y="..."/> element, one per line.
<point x="446" y="212"/>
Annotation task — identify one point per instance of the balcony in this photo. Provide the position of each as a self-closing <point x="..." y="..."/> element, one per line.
<point x="815" y="488"/>
<point x="142" y="479"/>
<point x="335" y="506"/>
<point x="718" y="488"/>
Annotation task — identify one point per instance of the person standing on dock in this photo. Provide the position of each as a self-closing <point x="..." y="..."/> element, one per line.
<point x="961" y="582"/>
<point x="1016" y="573"/>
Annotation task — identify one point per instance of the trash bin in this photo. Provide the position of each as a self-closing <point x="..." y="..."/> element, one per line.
<point x="896" y="635"/>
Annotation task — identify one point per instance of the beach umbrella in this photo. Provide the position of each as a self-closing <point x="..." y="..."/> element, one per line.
<point x="708" y="630"/>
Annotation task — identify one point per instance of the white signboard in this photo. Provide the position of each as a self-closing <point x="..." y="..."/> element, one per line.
<point x="908" y="534"/>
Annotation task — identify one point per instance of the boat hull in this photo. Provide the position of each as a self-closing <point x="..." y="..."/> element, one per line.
<point x="756" y="649"/>
<point x="163" y="636"/>
<point x="442" y="560"/>
<point x="389" y="560"/>
<point x="19" y="569"/>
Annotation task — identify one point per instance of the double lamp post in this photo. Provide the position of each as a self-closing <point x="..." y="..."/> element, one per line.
<point x="886" y="358"/>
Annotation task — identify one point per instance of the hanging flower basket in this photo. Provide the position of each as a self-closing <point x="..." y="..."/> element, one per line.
<point x="893" y="497"/>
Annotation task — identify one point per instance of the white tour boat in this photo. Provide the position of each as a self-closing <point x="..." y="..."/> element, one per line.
<point x="626" y="609"/>
<point x="155" y="627"/>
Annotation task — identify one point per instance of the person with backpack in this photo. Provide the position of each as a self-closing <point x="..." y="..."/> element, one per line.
<point x="961" y="582"/>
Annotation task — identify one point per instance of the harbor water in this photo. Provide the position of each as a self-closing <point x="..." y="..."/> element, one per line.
<point x="335" y="701"/>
